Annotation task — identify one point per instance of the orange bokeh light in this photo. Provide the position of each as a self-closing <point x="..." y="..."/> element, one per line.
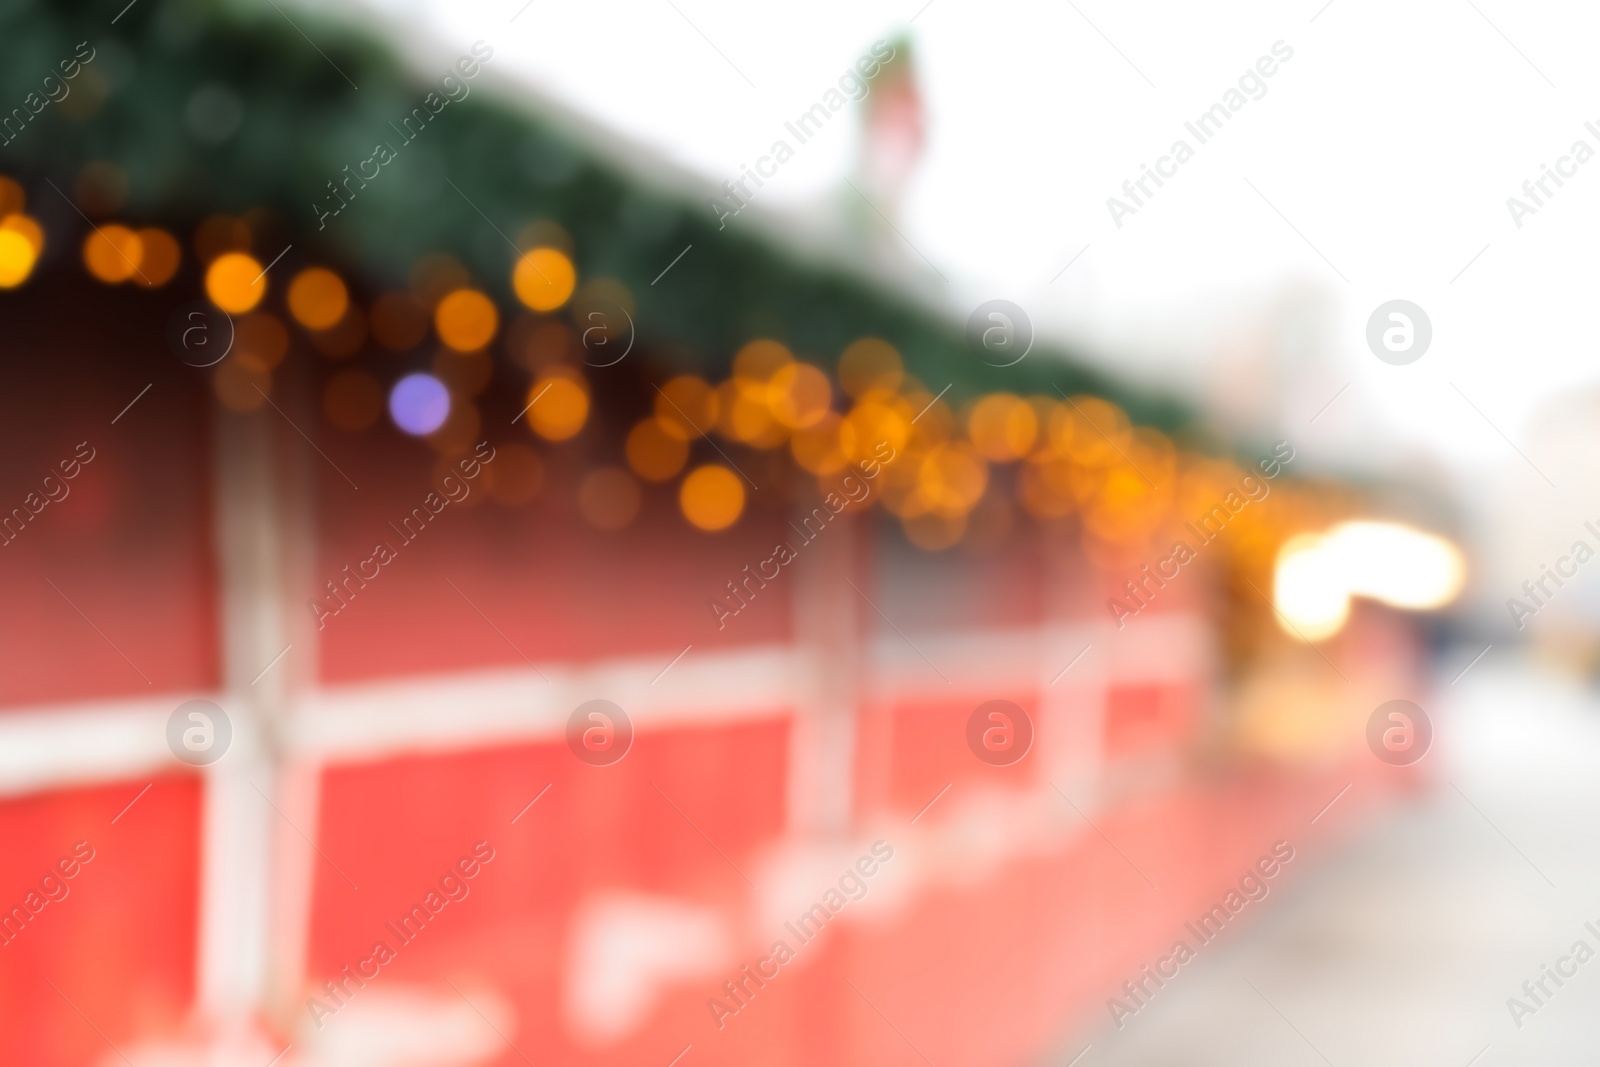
<point x="712" y="497"/>
<point x="1002" y="427"/>
<point x="654" y="452"/>
<point x="17" y="257"/>
<point x="687" y="406"/>
<point x="318" y="298"/>
<point x="112" y="253"/>
<point x="28" y="227"/>
<point x="799" y="395"/>
<point x="160" y="258"/>
<point x="544" y="279"/>
<point x="760" y="360"/>
<point x="466" y="320"/>
<point x="870" y="364"/>
<point x="235" y="282"/>
<point x="559" y="407"/>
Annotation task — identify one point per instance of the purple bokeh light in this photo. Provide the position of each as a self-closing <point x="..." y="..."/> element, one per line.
<point x="419" y="404"/>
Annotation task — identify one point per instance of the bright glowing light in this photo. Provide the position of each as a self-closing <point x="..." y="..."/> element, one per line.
<point x="235" y="282"/>
<point x="1308" y="589"/>
<point x="543" y="279"/>
<point x="419" y="404"/>
<point x="1397" y="565"/>
<point x="1403" y="567"/>
<point x="26" y="226"/>
<point x="16" y="259"/>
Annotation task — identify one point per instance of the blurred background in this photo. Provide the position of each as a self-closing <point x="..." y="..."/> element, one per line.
<point x="671" y="533"/>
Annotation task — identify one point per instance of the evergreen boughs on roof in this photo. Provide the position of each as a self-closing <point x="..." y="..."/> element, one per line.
<point x="212" y="108"/>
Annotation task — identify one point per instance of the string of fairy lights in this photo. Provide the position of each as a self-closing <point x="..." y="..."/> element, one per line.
<point x="960" y="473"/>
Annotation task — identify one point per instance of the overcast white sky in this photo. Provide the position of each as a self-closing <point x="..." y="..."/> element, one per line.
<point x="1376" y="166"/>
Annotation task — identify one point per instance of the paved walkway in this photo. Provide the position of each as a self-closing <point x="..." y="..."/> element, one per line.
<point x="1403" y="945"/>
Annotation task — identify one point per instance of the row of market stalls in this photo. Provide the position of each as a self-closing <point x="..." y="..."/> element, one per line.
<point x="402" y="487"/>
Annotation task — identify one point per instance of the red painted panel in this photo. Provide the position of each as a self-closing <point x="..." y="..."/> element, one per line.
<point x="654" y="822"/>
<point x="107" y="575"/>
<point x="926" y="750"/>
<point x="1144" y="717"/>
<point x="119" y="945"/>
<point x="533" y="580"/>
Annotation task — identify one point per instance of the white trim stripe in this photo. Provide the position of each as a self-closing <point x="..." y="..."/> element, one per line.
<point x="81" y="744"/>
<point x="466" y="710"/>
<point x="85" y="744"/>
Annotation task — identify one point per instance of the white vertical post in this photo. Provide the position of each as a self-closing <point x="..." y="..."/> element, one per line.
<point x="255" y="864"/>
<point x="822" y="746"/>
<point x="235" y="851"/>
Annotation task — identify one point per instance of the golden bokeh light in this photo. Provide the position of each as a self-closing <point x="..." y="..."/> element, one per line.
<point x="559" y="406"/>
<point x="759" y="360"/>
<point x="655" y="452"/>
<point x="1002" y="427"/>
<point x="1122" y="508"/>
<point x="879" y="420"/>
<point x="1044" y="485"/>
<point x="711" y="497"/>
<point x="687" y="406"/>
<point x="318" y="298"/>
<point x="898" y="483"/>
<point x="825" y="446"/>
<point x="235" y="282"/>
<point x="112" y="253"/>
<point x="28" y="227"/>
<point x="16" y="259"/>
<point x="868" y="365"/>
<point x="609" y="498"/>
<point x="951" y="479"/>
<point x="544" y="279"/>
<point x="744" y="414"/>
<point x="160" y="257"/>
<point x="799" y="395"/>
<point x="1089" y="430"/>
<point x="466" y="320"/>
<point x="934" y="421"/>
